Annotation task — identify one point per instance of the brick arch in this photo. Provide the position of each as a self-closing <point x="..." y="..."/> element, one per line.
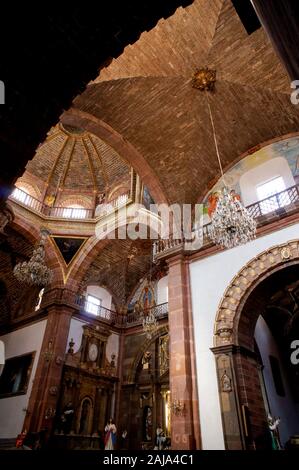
<point x="229" y="313"/>
<point x="32" y="234"/>
<point x="160" y="332"/>
<point x="77" y="118"/>
<point x="91" y="249"/>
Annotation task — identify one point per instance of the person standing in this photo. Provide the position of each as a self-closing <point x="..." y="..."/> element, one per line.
<point x="110" y="436"/>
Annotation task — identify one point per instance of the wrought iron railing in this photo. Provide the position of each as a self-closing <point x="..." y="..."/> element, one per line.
<point x="74" y="213"/>
<point x="160" y="311"/>
<point x="272" y="203"/>
<point x="269" y="205"/>
<point x="81" y="304"/>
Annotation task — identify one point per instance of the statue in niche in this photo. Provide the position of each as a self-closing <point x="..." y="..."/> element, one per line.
<point x="147" y="423"/>
<point x="84" y="418"/>
<point x="146" y="359"/>
<point x="226" y="385"/>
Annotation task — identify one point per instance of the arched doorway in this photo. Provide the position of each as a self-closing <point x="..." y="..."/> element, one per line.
<point x="256" y="324"/>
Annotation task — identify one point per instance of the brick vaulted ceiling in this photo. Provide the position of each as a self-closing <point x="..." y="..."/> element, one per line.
<point x="119" y="267"/>
<point x="146" y="96"/>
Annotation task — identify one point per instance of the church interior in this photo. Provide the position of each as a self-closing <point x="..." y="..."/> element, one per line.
<point x="115" y="332"/>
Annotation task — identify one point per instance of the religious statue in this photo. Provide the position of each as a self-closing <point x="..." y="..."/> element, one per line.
<point x="212" y="202"/>
<point x="110" y="436"/>
<point x="226" y="383"/>
<point x="148" y="424"/>
<point x="273" y="426"/>
<point x="146" y="358"/>
<point x="67" y="418"/>
<point x="160" y="437"/>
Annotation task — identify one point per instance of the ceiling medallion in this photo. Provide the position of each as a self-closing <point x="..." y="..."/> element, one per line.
<point x="35" y="272"/>
<point x="231" y="224"/>
<point x="204" y="79"/>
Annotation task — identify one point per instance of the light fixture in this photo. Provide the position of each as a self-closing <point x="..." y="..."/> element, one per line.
<point x="149" y="322"/>
<point x="177" y="407"/>
<point x="35" y="272"/>
<point x="231" y="224"/>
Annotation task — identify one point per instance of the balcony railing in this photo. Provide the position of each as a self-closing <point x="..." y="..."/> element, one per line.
<point x="81" y="304"/>
<point x="275" y="203"/>
<point x="160" y="311"/>
<point x="74" y="213"/>
<point x="272" y="203"/>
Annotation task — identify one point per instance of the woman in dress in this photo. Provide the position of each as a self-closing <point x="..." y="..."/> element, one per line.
<point x="110" y="436"/>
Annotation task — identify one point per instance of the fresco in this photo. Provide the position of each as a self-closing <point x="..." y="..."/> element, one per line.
<point x="287" y="148"/>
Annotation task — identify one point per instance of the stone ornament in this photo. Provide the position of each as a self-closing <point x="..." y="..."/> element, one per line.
<point x="204" y="79"/>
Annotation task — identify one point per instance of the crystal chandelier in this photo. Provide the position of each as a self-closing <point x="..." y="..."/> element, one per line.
<point x="150" y="324"/>
<point x="231" y="223"/>
<point x="35" y="272"/>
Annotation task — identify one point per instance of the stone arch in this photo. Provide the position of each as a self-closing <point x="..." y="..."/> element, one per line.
<point x="77" y="118"/>
<point x="161" y="331"/>
<point x="237" y="364"/>
<point x="226" y="327"/>
<point x="96" y="243"/>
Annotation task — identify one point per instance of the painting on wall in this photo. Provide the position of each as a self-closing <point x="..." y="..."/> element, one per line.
<point x="68" y="246"/>
<point x="287" y="148"/>
<point x="16" y="374"/>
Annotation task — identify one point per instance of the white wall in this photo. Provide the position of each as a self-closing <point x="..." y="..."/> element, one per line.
<point x="284" y="407"/>
<point x="209" y="279"/>
<point x="19" y="342"/>
<point x="261" y="174"/>
<point x="162" y="290"/>
<point x="102" y="294"/>
<point x="75" y="333"/>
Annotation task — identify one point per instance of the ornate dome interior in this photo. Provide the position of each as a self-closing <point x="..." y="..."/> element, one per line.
<point x="73" y="167"/>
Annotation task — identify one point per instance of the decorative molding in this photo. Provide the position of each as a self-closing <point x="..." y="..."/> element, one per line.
<point x="225" y="327"/>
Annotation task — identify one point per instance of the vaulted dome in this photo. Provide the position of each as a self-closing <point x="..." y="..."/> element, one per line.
<point x="72" y="167"/>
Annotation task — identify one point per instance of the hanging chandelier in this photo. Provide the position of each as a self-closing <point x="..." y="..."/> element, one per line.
<point x="231" y="224"/>
<point x="150" y="324"/>
<point x="35" y="272"/>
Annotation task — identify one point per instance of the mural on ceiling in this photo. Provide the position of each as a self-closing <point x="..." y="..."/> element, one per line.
<point x="68" y="246"/>
<point x="287" y="148"/>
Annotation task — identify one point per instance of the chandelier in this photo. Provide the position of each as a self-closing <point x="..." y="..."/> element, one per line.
<point x="35" y="272"/>
<point x="150" y="324"/>
<point x="231" y="223"/>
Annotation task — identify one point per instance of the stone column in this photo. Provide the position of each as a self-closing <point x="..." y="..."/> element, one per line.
<point x="184" y="423"/>
<point x="46" y="386"/>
